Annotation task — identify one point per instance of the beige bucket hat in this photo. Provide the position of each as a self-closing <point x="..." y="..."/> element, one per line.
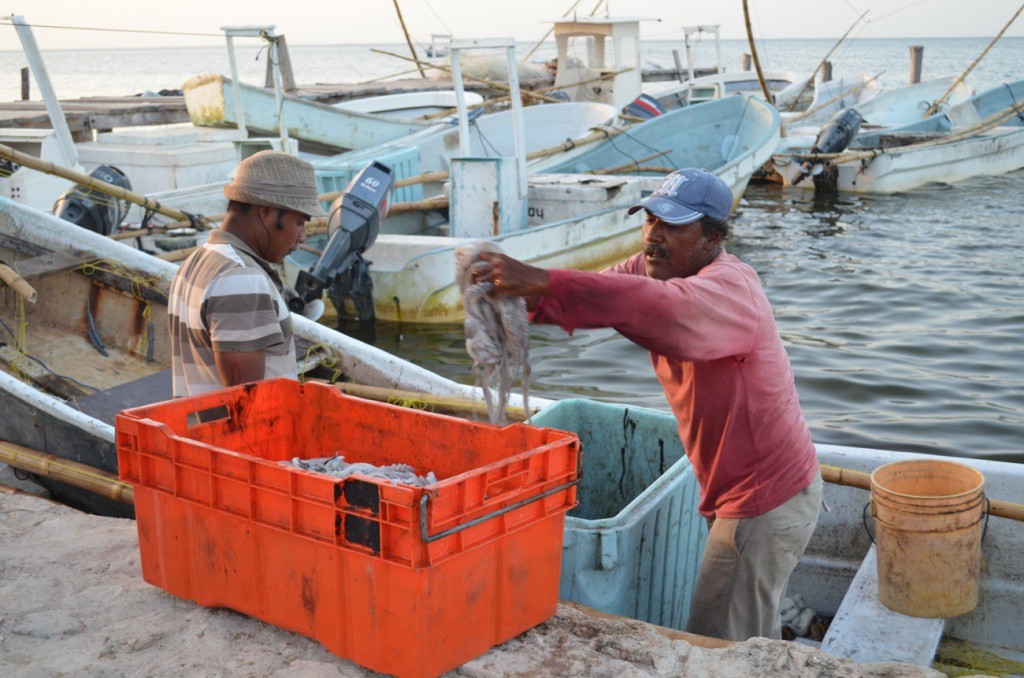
<point x="276" y="179"/>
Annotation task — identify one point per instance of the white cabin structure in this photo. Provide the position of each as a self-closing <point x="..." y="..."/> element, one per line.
<point x="595" y="47"/>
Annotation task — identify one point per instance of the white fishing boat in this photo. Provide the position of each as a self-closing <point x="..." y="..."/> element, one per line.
<point x="408" y="105"/>
<point x="789" y="91"/>
<point x="211" y="102"/>
<point x="892" y="108"/>
<point x="742" y="83"/>
<point x="980" y="136"/>
<point x="575" y="203"/>
<point x="831" y="97"/>
<point x="492" y="135"/>
<point x="413" y="259"/>
<point x="96" y="341"/>
<point x="910" y="103"/>
<point x="731" y="137"/>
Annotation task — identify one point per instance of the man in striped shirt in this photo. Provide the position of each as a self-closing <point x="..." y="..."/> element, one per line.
<point x="229" y="323"/>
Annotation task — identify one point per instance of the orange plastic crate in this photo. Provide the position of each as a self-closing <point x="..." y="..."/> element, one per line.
<point x="402" y="580"/>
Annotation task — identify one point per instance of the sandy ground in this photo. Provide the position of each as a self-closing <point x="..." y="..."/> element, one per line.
<point x="73" y="603"/>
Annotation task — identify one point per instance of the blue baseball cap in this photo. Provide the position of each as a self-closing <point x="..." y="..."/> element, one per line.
<point x="687" y="195"/>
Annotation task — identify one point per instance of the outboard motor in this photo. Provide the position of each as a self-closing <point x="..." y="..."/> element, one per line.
<point x="91" y="209"/>
<point x="834" y="136"/>
<point x="353" y="225"/>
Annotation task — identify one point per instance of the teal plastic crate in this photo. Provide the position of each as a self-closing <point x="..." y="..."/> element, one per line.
<point x="634" y="544"/>
<point x="335" y="173"/>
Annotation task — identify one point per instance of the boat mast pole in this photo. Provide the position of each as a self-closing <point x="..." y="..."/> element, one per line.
<point x="753" y="53"/>
<point x="408" y="40"/>
<point x="935" y="107"/>
<point x="810" y="80"/>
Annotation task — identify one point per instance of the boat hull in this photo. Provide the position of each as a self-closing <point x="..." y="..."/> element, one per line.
<point x="424" y="289"/>
<point x="996" y="152"/>
<point x="211" y="103"/>
<point x="39" y="422"/>
<point x="122" y="303"/>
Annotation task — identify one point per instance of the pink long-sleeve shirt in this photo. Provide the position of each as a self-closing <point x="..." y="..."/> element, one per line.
<point x="718" y="355"/>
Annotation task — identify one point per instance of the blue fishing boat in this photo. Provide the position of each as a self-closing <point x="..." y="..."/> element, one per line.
<point x="731" y="137"/>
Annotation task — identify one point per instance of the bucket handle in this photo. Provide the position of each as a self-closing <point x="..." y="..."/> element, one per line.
<point x="865" y="519"/>
<point x="984" y="529"/>
<point x="988" y="512"/>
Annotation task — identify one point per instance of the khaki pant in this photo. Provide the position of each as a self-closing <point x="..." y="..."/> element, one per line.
<point x="747" y="563"/>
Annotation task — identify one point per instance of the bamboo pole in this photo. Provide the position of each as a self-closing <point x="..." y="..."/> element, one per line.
<point x="178" y="255"/>
<point x="628" y="169"/>
<point x="753" y="53"/>
<point x="625" y="166"/>
<point x="490" y="83"/>
<point x="820" y="65"/>
<point x="808" y="113"/>
<point x="850" y="478"/>
<point x="935" y="106"/>
<point x="35" y="163"/>
<point x="66" y="471"/>
<point x="18" y="284"/>
<point x="408" y="40"/>
<point x="429" y="401"/>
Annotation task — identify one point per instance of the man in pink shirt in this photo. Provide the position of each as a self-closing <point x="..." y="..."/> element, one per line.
<point x="704" y="316"/>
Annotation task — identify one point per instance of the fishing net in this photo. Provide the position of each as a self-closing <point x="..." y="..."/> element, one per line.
<point x="974" y="657"/>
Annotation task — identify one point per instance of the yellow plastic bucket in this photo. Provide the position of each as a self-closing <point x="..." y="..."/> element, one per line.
<point x="929" y="519"/>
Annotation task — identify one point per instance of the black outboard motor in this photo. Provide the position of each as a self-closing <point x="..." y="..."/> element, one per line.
<point x="834" y="136"/>
<point x="91" y="209"/>
<point x="353" y="225"/>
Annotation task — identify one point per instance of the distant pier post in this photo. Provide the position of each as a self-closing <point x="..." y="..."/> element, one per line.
<point x="916" y="57"/>
<point x="24" y="84"/>
<point x="826" y="71"/>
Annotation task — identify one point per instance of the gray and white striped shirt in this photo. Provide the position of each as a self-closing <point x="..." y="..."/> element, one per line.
<point x="225" y="298"/>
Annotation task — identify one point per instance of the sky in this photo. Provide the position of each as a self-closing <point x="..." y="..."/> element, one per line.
<point x="375" y="21"/>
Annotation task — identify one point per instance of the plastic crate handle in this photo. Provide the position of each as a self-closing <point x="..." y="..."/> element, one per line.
<point x="428" y="538"/>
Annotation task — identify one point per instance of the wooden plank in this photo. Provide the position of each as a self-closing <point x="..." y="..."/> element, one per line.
<point x="47" y="264"/>
<point x="104" y="405"/>
<point x="135" y="119"/>
<point x="672" y="74"/>
<point x="86" y="115"/>
<point x="867" y="631"/>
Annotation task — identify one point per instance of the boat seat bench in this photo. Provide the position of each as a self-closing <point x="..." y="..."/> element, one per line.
<point x="867" y="631"/>
<point x="104" y="405"/>
<point x="51" y="263"/>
